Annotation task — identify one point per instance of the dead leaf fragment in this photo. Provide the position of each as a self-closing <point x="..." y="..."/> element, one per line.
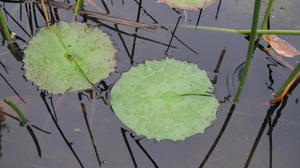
<point x="282" y="47"/>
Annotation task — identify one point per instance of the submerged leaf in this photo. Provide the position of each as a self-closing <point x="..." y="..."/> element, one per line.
<point x="69" y="56"/>
<point x="187" y="4"/>
<point x="165" y="99"/>
<point x="282" y="47"/>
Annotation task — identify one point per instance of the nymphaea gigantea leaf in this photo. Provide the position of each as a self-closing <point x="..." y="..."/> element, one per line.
<point x="69" y="57"/>
<point x="187" y="4"/>
<point x="165" y="99"/>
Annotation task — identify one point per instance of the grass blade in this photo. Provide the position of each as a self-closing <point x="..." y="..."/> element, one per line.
<point x="22" y="117"/>
<point x="79" y="6"/>
<point x="45" y="12"/>
<point x="266" y="17"/>
<point x="283" y="90"/>
<point x="293" y="75"/>
<point x="5" y="26"/>
<point x="267" y="14"/>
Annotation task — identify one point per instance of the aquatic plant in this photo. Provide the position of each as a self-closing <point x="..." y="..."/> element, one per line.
<point x="165" y="99"/>
<point x="187" y="4"/>
<point x="69" y="57"/>
<point x="286" y="86"/>
<point x="79" y="6"/>
<point x="4" y="26"/>
<point x="250" y="50"/>
<point x="22" y="118"/>
<point x="244" y="31"/>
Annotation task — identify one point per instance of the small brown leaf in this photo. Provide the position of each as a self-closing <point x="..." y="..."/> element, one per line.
<point x="282" y="47"/>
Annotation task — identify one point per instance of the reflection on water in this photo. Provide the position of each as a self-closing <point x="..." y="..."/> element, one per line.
<point x="3" y="126"/>
<point x="268" y="136"/>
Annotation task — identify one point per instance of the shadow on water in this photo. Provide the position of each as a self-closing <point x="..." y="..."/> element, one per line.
<point x="167" y="41"/>
<point x="125" y="134"/>
<point x="272" y="124"/>
<point x="268" y="121"/>
<point x="3" y="126"/>
<point x="85" y="113"/>
<point x="44" y="97"/>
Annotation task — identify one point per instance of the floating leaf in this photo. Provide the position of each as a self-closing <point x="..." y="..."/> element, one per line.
<point x="282" y="47"/>
<point x="68" y="57"/>
<point x="187" y="4"/>
<point x="165" y="99"/>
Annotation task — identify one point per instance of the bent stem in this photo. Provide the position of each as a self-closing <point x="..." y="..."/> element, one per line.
<point x="294" y="74"/>
<point x="23" y="119"/>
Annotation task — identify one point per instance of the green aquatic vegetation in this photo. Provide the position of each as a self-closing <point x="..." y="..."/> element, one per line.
<point x="69" y="57"/>
<point x="285" y="87"/>
<point x="187" y="4"/>
<point x="4" y="26"/>
<point x="244" y="31"/>
<point x="250" y="50"/>
<point x="23" y="119"/>
<point x="165" y="99"/>
<point x="79" y="6"/>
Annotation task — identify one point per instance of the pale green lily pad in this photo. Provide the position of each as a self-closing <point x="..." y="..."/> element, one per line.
<point x="165" y="99"/>
<point x="69" y="57"/>
<point x="187" y="4"/>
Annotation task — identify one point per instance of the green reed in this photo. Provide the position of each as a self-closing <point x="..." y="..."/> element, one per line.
<point x="5" y="26"/>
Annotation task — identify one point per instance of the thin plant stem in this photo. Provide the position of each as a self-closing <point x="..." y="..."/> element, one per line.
<point x="250" y="50"/>
<point x="101" y="15"/>
<point x="292" y="77"/>
<point x="23" y="119"/>
<point x="5" y="27"/>
<point x="267" y="14"/>
<point x="266" y="17"/>
<point x="78" y="7"/>
<point x="45" y="12"/>
<point x="245" y="31"/>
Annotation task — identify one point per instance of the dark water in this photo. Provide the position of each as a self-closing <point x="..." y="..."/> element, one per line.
<point x="119" y="147"/>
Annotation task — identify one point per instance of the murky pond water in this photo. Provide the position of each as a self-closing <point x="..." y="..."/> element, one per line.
<point x="117" y="146"/>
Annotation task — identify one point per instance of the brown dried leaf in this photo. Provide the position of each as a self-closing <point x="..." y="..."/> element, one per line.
<point x="282" y="47"/>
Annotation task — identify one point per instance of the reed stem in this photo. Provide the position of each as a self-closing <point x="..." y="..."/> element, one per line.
<point x="245" y="31"/>
<point x="5" y="27"/>
<point x="250" y="50"/>
<point x="294" y="74"/>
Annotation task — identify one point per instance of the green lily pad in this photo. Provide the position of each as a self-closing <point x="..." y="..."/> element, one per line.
<point x="187" y="4"/>
<point x="69" y="57"/>
<point x="165" y="99"/>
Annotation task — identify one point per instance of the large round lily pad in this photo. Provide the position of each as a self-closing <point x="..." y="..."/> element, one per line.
<point x="68" y="57"/>
<point x="187" y="4"/>
<point x="165" y="99"/>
